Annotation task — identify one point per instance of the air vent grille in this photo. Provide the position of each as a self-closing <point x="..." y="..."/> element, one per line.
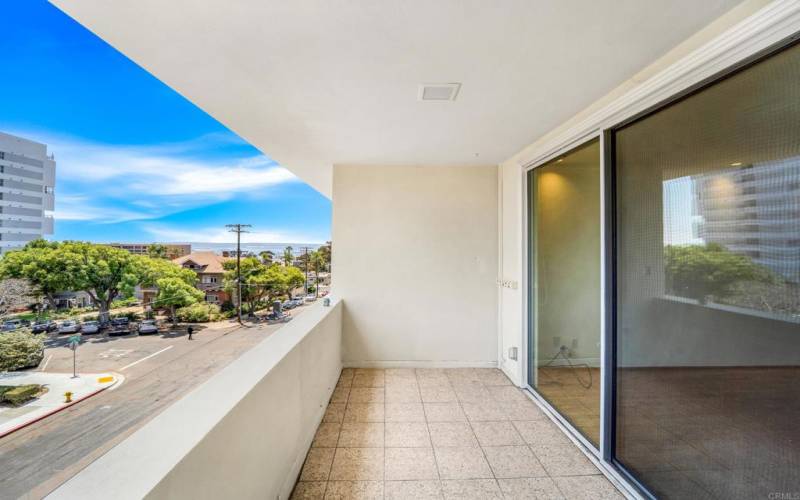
<point x="438" y="91"/>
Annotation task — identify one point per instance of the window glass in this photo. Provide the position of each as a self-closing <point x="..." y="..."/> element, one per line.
<point x="708" y="289"/>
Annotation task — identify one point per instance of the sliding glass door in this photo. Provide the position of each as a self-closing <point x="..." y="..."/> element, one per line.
<point x="702" y="287"/>
<point x="708" y="289"/>
<point x="564" y="266"/>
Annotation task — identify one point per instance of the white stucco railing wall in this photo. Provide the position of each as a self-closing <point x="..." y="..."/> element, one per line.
<point x="242" y="434"/>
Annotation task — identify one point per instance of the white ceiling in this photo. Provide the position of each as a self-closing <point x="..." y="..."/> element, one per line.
<point x="313" y="83"/>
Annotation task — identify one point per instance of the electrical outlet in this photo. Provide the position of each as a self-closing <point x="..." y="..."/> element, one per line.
<point x="512" y="353"/>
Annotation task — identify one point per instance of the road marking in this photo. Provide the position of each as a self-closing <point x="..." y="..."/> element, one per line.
<point x="46" y="362"/>
<point x="146" y="357"/>
<point x="116" y="353"/>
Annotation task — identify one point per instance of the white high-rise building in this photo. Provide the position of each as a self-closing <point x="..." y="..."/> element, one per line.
<point x="27" y="182"/>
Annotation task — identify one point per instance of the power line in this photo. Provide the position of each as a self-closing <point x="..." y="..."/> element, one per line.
<point x="238" y="229"/>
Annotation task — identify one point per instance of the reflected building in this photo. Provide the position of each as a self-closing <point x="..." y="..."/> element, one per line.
<point x="753" y="210"/>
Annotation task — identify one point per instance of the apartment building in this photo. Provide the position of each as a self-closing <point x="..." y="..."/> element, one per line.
<point x="27" y="183"/>
<point x="505" y="179"/>
<point x="174" y="250"/>
<point x="210" y="274"/>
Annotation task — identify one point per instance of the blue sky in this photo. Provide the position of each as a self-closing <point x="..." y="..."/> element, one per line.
<point x="135" y="161"/>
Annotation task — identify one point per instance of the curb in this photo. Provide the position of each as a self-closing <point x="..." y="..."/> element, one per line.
<point x="54" y="411"/>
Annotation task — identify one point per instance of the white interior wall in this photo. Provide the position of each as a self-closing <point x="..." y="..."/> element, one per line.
<point x="415" y="260"/>
<point x="511" y="265"/>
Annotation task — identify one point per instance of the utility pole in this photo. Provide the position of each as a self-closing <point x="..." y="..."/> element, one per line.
<point x="238" y="229"/>
<point x="305" y="252"/>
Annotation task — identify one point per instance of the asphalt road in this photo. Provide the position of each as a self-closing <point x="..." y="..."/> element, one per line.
<point x="158" y="370"/>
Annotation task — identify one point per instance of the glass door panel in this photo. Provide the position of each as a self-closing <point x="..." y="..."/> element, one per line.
<point x="708" y="289"/>
<point x="564" y="265"/>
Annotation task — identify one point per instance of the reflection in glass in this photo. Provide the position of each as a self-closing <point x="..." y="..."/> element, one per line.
<point x="708" y="289"/>
<point x="565" y="297"/>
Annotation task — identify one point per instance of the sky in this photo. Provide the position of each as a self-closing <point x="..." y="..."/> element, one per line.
<point x="135" y="161"/>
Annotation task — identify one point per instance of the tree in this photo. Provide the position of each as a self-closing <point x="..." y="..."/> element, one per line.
<point x="294" y="279"/>
<point x="174" y="293"/>
<point x="17" y="294"/>
<point x="149" y="271"/>
<point x="710" y="270"/>
<point x="267" y="257"/>
<point x="38" y="262"/>
<point x="318" y="264"/>
<point x="288" y="256"/>
<point x="157" y="251"/>
<point x="103" y="272"/>
<point x="325" y="253"/>
<point x="251" y="273"/>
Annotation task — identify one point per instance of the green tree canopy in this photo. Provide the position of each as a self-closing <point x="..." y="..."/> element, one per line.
<point x="174" y="293"/>
<point x="157" y="251"/>
<point x="288" y="256"/>
<point x="103" y="272"/>
<point x="149" y="271"/>
<point x="38" y="263"/>
<point x="710" y="270"/>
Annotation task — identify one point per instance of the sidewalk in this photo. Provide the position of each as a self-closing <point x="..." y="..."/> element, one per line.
<point x="86" y="385"/>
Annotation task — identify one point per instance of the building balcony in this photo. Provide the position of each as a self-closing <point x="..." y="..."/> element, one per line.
<point x="442" y="433"/>
<point x="287" y="421"/>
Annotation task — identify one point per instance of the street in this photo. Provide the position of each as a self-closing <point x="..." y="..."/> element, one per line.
<point x="157" y="370"/>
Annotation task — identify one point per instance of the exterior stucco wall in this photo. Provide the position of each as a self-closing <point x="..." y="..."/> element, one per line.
<point x="415" y="260"/>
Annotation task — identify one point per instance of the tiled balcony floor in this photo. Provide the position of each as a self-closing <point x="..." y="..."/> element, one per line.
<point x="445" y="434"/>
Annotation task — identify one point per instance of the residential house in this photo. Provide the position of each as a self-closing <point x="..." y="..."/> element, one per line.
<point x="514" y="187"/>
<point x="210" y="274"/>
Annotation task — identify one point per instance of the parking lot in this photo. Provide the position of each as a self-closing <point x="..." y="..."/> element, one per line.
<point x="156" y="370"/>
<point x="102" y="352"/>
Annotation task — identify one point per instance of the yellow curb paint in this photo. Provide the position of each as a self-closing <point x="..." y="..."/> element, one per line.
<point x="103" y="380"/>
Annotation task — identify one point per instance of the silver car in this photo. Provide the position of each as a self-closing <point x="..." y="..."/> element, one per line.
<point x="69" y="326"/>
<point x="90" y="327"/>
<point x="148" y="326"/>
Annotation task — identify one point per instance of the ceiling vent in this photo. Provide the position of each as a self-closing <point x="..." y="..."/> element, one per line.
<point x="438" y="91"/>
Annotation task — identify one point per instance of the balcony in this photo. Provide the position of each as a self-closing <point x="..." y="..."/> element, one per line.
<point x="441" y="433"/>
<point x="285" y="420"/>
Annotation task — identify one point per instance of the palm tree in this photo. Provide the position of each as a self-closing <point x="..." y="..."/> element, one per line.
<point x="317" y="261"/>
<point x="288" y="256"/>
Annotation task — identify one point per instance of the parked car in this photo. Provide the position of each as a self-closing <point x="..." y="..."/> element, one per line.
<point x="10" y="325"/>
<point x="311" y="298"/>
<point x="119" y="326"/>
<point x="90" y="327"/>
<point x="147" y="327"/>
<point x="288" y="304"/>
<point x="69" y="326"/>
<point x="298" y="302"/>
<point x="46" y="325"/>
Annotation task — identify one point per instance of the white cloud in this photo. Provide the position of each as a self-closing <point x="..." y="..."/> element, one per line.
<point x="114" y="183"/>
<point x="221" y="235"/>
<point x="154" y="172"/>
<point x="82" y="208"/>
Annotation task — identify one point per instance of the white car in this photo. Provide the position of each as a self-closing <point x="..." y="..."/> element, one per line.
<point x="90" y="327"/>
<point x="69" y="326"/>
<point x="311" y="298"/>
